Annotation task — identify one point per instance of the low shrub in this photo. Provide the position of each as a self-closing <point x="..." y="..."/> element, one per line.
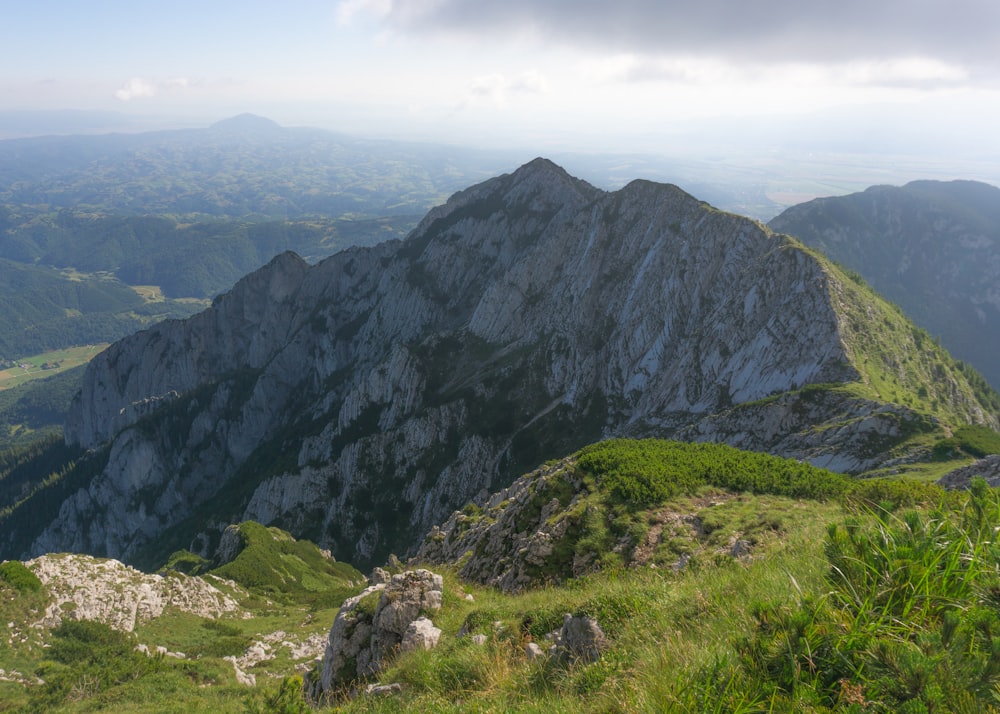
<point x="15" y="574"/>
<point x="647" y="472"/>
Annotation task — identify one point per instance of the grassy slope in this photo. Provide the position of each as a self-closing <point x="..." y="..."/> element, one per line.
<point x="882" y="601"/>
<point x="290" y="588"/>
<point x="721" y="634"/>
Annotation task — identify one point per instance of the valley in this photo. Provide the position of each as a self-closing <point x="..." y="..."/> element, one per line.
<point x="25" y="369"/>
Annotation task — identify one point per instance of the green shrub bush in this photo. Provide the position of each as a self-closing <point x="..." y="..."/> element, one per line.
<point x="15" y="574"/>
<point x="911" y="622"/>
<point x="649" y="471"/>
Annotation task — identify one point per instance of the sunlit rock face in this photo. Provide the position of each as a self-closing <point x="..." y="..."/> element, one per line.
<point x="359" y="401"/>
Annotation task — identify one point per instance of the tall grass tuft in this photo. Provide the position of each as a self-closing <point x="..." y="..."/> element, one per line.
<point x="911" y="620"/>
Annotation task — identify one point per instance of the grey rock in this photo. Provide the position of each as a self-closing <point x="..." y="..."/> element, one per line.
<point x="421" y="634"/>
<point x="121" y="596"/>
<point x="479" y="639"/>
<point x="532" y="651"/>
<point x="370" y="628"/>
<point x="383" y="690"/>
<point x="580" y="639"/>
<point x="740" y="549"/>
<point x="230" y="545"/>
<point x="987" y="468"/>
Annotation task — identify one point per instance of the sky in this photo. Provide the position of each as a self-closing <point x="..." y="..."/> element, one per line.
<point x="895" y="76"/>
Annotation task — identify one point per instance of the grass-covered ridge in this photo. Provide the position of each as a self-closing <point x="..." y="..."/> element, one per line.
<point x="867" y="605"/>
<point x="846" y="596"/>
<point x="901" y="363"/>
<point x="644" y="503"/>
<point x="271" y="561"/>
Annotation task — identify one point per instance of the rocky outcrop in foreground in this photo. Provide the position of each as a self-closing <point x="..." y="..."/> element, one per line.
<point x="386" y="618"/>
<point x="87" y="588"/>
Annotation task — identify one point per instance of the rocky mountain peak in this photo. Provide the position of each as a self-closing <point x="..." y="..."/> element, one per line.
<point x="359" y="401"/>
<point x="932" y="247"/>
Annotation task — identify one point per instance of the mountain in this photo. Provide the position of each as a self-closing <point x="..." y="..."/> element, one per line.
<point x="359" y="401"/>
<point x="183" y="259"/>
<point x="45" y="309"/>
<point x="932" y="247"/>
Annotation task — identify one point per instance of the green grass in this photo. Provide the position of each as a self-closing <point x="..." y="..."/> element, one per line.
<point x="649" y="471"/>
<point x="873" y="610"/>
<point x="663" y="627"/>
<point x="901" y="363"/>
<point x="857" y="596"/>
<point x="88" y="667"/>
<point x="47" y="364"/>
<point x="273" y="562"/>
<point x="974" y="440"/>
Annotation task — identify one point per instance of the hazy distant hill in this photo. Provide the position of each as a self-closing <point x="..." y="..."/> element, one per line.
<point x="42" y="309"/>
<point x="197" y="260"/>
<point x="243" y="167"/>
<point x="931" y="247"/>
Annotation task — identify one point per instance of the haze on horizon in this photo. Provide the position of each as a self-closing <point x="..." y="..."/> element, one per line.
<point x="682" y="77"/>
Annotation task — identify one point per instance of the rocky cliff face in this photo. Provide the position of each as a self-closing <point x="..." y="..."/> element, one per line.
<point x="932" y="247"/>
<point x="359" y="401"/>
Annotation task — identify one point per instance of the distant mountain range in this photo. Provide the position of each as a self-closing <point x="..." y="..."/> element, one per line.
<point x="931" y="247"/>
<point x="246" y="167"/>
<point x="358" y="401"/>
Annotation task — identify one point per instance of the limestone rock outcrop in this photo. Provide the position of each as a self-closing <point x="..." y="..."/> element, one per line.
<point x="372" y="627"/>
<point x="579" y="639"/>
<point x="987" y="468"/>
<point x="87" y="588"/>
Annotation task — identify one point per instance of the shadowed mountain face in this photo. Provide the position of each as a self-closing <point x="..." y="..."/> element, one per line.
<point x="931" y="247"/>
<point x="358" y="401"/>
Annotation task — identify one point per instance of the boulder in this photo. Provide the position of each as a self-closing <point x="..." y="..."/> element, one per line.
<point x="580" y="639"/>
<point x="421" y="634"/>
<point x="371" y="627"/>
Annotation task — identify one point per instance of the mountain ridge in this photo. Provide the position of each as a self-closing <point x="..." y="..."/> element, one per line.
<point x="929" y="246"/>
<point x="359" y="401"/>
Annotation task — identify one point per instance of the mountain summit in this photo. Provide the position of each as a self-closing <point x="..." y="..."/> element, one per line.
<point x="359" y="401"/>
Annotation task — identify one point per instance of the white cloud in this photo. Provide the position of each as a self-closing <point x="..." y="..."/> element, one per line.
<point x="140" y="88"/>
<point x="498" y="89"/>
<point x="629" y="68"/>
<point x="903" y="72"/>
<point x="348" y="10"/>
<point x="135" y="88"/>
<point x="948" y="38"/>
